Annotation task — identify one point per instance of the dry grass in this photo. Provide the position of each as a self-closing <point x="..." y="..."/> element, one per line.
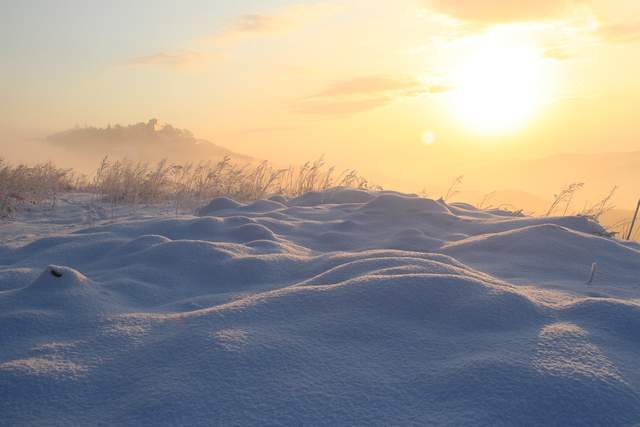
<point x="453" y="188"/>
<point x="564" y="198"/>
<point x="187" y="185"/>
<point x="622" y="231"/>
<point x="122" y="182"/>
<point x="601" y="207"/>
<point x="22" y="185"/>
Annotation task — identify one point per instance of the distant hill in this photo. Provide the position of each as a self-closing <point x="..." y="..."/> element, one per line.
<point x="141" y="141"/>
<point x="546" y="176"/>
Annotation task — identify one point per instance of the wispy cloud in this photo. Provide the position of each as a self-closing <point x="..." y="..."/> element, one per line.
<point x="558" y="53"/>
<point x="167" y="59"/>
<point x="340" y="108"/>
<point x="621" y="33"/>
<point x="265" y="24"/>
<point x="502" y="11"/>
<point x="369" y="85"/>
<point x="243" y="27"/>
<point x="259" y="24"/>
<point x="359" y="94"/>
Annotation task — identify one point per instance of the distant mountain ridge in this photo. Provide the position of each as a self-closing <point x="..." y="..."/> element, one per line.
<point x="141" y="141"/>
<point x="546" y="176"/>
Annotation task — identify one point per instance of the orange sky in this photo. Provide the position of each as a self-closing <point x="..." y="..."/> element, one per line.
<point x="408" y="91"/>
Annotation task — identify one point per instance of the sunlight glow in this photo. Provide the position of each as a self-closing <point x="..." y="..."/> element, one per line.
<point x="498" y="88"/>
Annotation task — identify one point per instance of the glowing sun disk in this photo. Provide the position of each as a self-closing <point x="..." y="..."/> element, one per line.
<point x="497" y="88"/>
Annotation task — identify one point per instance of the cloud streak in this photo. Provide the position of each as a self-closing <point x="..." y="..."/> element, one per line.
<point x="264" y="24"/>
<point x="502" y="11"/>
<point x="621" y="33"/>
<point x="558" y="53"/>
<point x="257" y="23"/>
<point x="369" y="85"/>
<point x="167" y="59"/>
<point x="360" y="94"/>
<point x="242" y="28"/>
<point x="340" y="108"/>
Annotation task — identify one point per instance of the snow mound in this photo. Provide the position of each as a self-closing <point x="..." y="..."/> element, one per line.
<point x="338" y="307"/>
<point x="394" y="204"/>
<point x="61" y="291"/>
<point x="57" y="278"/>
<point x="550" y="252"/>
<point x="219" y="204"/>
<point x="338" y="195"/>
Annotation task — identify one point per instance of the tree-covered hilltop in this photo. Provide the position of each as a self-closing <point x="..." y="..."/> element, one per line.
<point x="149" y="141"/>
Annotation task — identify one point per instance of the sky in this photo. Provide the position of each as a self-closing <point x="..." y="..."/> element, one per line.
<point x="407" y="90"/>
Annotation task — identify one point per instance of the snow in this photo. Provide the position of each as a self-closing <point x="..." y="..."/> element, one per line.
<point x="337" y="307"/>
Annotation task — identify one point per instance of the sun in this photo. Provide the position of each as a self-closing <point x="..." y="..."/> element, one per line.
<point x="497" y="88"/>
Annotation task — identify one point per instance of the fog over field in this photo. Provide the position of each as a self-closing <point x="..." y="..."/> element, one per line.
<point x="83" y="148"/>
<point x="320" y="212"/>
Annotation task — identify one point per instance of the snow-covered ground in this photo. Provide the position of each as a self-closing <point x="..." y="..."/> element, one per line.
<point x="341" y="307"/>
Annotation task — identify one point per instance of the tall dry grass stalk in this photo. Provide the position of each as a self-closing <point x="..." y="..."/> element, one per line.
<point x="629" y="232"/>
<point x="23" y="185"/>
<point x="601" y="207"/>
<point x="453" y="188"/>
<point x="564" y="197"/>
<point x="127" y="183"/>
<point x="122" y="182"/>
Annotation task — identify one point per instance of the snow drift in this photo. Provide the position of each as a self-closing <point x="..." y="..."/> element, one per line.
<point x="338" y="307"/>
